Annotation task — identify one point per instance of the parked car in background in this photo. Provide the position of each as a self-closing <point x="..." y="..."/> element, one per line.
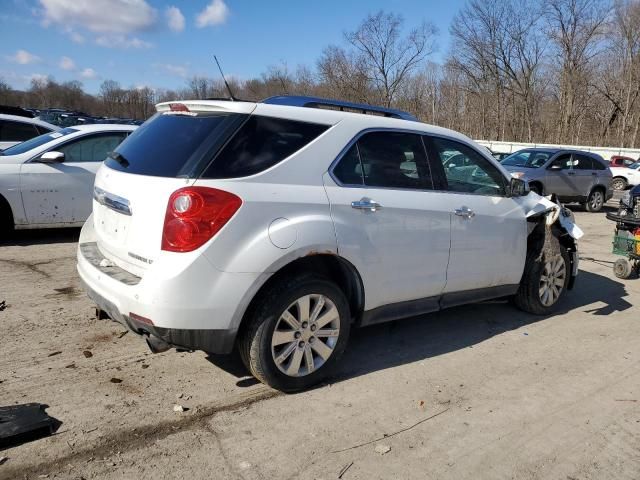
<point x="16" y="128"/>
<point x="272" y="227"/>
<point x="573" y="175"/>
<point x="48" y="181"/>
<point x="625" y="176"/>
<point x="621" y="161"/>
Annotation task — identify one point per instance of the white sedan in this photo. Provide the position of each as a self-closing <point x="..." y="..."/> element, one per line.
<point x="625" y="176"/>
<point x="48" y="181"/>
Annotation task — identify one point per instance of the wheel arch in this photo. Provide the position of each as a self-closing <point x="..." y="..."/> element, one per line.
<point x="329" y="265"/>
<point x="538" y="184"/>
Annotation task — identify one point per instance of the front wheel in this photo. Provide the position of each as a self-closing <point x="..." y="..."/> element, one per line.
<point x="296" y="333"/>
<point x="545" y="279"/>
<point x="595" y="202"/>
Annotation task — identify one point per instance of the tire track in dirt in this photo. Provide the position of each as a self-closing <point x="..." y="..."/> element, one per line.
<point x="129" y="439"/>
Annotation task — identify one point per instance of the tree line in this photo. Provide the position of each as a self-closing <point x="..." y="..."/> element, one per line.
<point x="547" y="71"/>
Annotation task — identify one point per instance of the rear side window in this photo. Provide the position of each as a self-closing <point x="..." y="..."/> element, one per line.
<point x="174" y="145"/>
<point x="16" y="131"/>
<point x="582" y="162"/>
<point x="261" y="143"/>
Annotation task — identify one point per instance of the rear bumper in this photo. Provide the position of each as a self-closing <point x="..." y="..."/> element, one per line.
<point x="211" y="341"/>
<point x="190" y="303"/>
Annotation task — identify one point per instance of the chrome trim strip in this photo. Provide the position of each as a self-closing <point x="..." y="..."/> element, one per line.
<point x="114" y="202"/>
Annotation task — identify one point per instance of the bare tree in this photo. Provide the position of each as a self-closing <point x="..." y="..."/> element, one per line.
<point x="389" y="56"/>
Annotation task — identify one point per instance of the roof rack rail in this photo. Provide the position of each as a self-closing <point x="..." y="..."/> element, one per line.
<point x="317" y="102"/>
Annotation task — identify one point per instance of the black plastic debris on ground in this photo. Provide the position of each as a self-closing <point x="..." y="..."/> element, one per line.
<point x="3" y="305"/>
<point x="24" y="423"/>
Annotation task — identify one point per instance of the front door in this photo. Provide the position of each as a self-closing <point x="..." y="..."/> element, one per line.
<point x="387" y="222"/>
<point x="560" y="177"/>
<point x="62" y="192"/>
<point x="488" y="229"/>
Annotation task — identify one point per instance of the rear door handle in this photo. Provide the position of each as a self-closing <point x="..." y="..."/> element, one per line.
<point x="366" y="204"/>
<point x="465" y="212"/>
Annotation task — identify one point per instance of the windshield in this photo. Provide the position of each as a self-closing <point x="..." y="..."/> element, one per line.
<point x="36" y="142"/>
<point x="527" y="159"/>
<point x="635" y="165"/>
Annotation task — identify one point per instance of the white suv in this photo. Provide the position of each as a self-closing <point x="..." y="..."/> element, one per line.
<point x="274" y="226"/>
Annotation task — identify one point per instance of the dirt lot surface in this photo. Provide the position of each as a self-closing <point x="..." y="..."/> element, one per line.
<point x="481" y="391"/>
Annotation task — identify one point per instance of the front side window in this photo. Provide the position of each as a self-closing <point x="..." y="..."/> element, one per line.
<point x="93" y="148"/>
<point x="563" y="161"/>
<point x="466" y="170"/>
<point x="261" y="143"/>
<point x="582" y="162"/>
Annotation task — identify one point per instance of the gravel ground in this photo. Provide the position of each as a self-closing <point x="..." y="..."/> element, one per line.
<point x="481" y="391"/>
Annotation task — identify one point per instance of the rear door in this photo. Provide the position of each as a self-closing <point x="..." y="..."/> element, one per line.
<point x="488" y="229"/>
<point x="62" y="192"/>
<point x="388" y="222"/>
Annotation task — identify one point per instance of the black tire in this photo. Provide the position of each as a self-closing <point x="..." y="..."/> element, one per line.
<point x="6" y="220"/>
<point x="619" y="183"/>
<point x="255" y="342"/>
<point x="528" y="297"/>
<point x="622" y="268"/>
<point x="535" y="188"/>
<point x="596" y="201"/>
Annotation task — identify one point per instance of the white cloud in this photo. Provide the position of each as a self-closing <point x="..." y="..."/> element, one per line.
<point x="175" y="19"/>
<point x="121" y="41"/>
<point x="177" y="70"/>
<point x="38" y="77"/>
<point x="216" y="13"/>
<point x="88" y="73"/>
<point x="67" y="64"/>
<point x="23" y="58"/>
<point x="76" y="37"/>
<point x="100" y="16"/>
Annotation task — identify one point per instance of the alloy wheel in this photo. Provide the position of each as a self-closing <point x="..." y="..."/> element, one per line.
<point x="596" y="200"/>
<point x="552" y="280"/>
<point x="305" y="335"/>
<point x="618" y="184"/>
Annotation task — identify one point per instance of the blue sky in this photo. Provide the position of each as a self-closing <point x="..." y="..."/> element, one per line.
<point x="160" y="43"/>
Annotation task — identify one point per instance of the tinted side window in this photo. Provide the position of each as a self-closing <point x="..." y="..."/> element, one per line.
<point x="16" y="131"/>
<point x="349" y="169"/>
<point x="563" y="161"/>
<point x="261" y="143"/>
<point x="582" y="162"/>
<point x="394" y="160"/>
<point x="42" y="130"/>
<point x="466" y="170"/>
<point x="91" y="149"/>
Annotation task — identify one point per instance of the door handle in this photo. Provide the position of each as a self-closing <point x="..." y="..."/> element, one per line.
<point x="366" y="204"/>
<point x="594" y="174"/>
<point x="465" y="212"/>
<point x="571" y="173"/>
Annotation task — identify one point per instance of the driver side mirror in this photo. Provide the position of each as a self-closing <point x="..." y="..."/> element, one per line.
<point x="51" y="157"/>
<point x="518" y="187"/>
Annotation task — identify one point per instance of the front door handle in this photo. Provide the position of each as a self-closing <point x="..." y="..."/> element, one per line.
<point x="465" y="212"/>
<point x="571" y="173"/>
<point x="366" y="204"/>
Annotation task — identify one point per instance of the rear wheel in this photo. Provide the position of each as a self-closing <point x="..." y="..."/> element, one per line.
<point x="6" y="219"/>
<point x="619" y="183"/>
<point x="545" y="279"/>
<point x="296" y="333"/>
<point x="595" y="202"/>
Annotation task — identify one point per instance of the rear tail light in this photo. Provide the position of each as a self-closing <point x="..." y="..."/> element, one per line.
<point x="194" y="215"/>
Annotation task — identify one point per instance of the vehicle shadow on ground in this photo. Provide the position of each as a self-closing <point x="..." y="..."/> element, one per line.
<point x="406" y="341"/>
<point x="23" y="238"/>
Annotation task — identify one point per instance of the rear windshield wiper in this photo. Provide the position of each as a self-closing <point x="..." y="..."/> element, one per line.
<point x="118" y="157"/>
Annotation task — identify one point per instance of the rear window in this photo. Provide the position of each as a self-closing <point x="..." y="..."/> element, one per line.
<point x="11" y="131"/>
<point x="174" y="145"/>
<point x="261" y="143"/>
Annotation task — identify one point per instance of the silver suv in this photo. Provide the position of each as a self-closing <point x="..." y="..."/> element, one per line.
<point x="573" y="175"/>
